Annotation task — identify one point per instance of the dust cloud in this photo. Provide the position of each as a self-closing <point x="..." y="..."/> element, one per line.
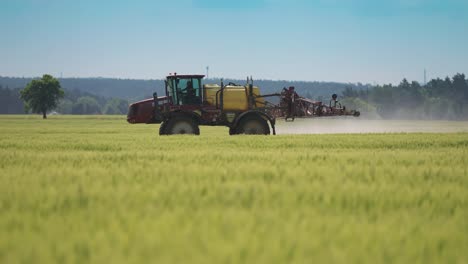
<point x="355" y="125"/>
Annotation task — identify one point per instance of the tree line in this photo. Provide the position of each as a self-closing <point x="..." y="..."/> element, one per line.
<point x="74" y="102"/>
<point x="133" y="90"/>
<point x="438" y="99"/>
<point x="111" y="96"/>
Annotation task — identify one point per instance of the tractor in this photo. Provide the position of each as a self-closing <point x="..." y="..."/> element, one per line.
<point x="188" y="104"/>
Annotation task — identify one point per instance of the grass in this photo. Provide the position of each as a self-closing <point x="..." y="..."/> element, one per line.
<point x="96" y="189"/>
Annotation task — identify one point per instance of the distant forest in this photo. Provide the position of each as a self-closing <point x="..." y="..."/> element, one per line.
<point x="75" y="102"/>
<point x="112" y="96"/>
<point x="438" y="99"/>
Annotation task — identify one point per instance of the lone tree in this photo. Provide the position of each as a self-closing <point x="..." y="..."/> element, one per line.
<point x="42" y="95"/>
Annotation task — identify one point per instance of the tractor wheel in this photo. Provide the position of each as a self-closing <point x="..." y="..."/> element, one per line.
<point x="253" y="125"/>
<point x="232" y="131"/>
<point x="162" y="129"/>
<point x="180" y="125"/>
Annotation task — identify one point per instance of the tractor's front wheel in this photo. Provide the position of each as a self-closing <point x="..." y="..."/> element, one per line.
<point x="232" y="131"/>
<point x="162" y="129"/>
<point x="180" y="125"/>
<point x="253" y="125"/>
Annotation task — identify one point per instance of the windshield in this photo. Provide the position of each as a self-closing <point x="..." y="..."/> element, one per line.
<point x="170" y="90"/>
<point x="184" y="91"/>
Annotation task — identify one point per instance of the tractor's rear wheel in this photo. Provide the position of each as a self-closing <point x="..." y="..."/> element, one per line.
<point x="180" y="125"/>
<point x="253" y="125"/>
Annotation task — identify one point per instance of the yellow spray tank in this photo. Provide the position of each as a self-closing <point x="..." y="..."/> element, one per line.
<point x="235" y="97"/>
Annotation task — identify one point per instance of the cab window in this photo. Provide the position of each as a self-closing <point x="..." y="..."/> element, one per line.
<point x="188" y="91"/>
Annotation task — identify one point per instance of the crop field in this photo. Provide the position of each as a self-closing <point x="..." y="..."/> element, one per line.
<point x="95" y="189"/>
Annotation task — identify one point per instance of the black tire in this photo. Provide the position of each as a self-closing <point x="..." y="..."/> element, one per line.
<point x="253" y="125"/>
<point x="232" y="131"/>
<point x="162" y="129"/>
<point x="180" y="125"/>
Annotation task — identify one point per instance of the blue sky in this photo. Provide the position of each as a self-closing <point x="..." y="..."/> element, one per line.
<point x="325" y="40"/>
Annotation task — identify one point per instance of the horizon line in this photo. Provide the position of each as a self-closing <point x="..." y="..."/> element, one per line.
<point x="373" y="83"/>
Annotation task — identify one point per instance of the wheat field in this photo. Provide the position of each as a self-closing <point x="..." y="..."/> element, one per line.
<point x="94" y="189"/>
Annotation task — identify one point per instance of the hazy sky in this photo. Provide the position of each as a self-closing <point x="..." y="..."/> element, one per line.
<point x="325" y="40"/>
